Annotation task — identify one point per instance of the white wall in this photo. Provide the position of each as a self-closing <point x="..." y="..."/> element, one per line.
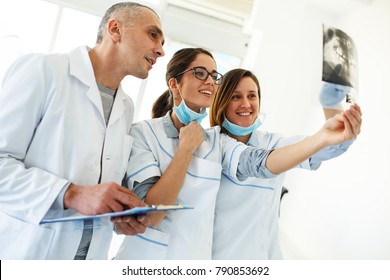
<point x="342" y="210"/>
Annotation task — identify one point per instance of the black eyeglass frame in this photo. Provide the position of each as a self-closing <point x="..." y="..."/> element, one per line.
<point x="217" y="80"/>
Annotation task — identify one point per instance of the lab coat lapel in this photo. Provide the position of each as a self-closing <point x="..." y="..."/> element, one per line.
<point x="118" y="107"/>
<point x="81" y="68"/>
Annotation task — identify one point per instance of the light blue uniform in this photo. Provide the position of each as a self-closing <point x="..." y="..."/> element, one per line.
<point x="246" y="216"/>
<point x="181" y="234"/>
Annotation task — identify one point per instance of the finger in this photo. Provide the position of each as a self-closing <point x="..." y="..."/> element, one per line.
<point x="352" y="117"/>
<point x="357" y="107"/>
<point x="135" y="225"/>
<point x="115" y="206"/>
<point x="129" y="199"/>
<point x="126" y="191"/>
<point x="348" y="127"/>
<point x="354" y="122"/>
<point x="124" y="228"/>
<point x="358" y="114"/>
<point x="116" y="220"/>
<point x="144" y="220"/>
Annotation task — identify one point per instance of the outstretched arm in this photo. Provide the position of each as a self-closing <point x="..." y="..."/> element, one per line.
<point x="338" y="129"/>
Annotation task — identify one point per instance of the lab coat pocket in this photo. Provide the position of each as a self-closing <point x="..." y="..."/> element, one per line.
<point x="22" y="240"/>
<point x="151" y="245"/>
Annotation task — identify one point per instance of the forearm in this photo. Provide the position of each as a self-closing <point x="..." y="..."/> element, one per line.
<point x="167" y="188"/>
<point x="329" y="152"/>
<point x="285" y="158"/>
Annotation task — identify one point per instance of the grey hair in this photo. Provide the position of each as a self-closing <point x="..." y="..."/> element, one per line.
<point x="125" y="11"/>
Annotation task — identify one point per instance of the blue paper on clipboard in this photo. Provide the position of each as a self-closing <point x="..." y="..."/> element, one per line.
<point x="130" y="212"/>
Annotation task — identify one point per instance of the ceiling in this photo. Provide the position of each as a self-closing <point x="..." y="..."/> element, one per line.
<point x="233" y="10"/>
<point x="339" y="6"/>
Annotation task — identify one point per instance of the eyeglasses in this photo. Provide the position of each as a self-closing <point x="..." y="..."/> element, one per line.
<point x="202" y="74"/>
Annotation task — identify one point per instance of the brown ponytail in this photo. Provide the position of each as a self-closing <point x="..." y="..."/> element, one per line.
<point x="162" y="105"/>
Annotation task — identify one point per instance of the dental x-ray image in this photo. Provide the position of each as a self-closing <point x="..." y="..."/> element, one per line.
<point x="340" y="63"/>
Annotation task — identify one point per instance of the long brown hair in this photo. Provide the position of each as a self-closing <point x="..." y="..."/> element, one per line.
<point x="178" y="63"/>
<point x="225" y="92"/>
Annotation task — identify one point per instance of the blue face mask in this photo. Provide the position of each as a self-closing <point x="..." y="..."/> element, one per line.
<point x="186" y="115"/>
<point x="240" y="130"/>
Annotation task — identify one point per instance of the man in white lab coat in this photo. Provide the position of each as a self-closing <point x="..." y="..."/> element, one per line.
<point x="64" y="141"/>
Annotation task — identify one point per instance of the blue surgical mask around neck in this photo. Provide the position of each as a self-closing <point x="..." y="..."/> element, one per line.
<point x="186" y="115"/>
<point x="240" y="130"/>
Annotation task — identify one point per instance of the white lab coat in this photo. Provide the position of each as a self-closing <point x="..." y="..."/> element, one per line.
<point x="246" y="217"/>
<point x="183" y="234"/>
<point x="53" y="132"/>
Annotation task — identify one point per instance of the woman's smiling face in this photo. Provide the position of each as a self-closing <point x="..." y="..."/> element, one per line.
<point x="243" y="108"/>
<point x="197" y="93"/>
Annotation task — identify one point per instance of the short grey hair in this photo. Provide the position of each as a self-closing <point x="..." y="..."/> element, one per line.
<point x="125" y="11"/>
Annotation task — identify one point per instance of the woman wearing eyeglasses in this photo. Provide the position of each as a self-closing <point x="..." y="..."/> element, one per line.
<point x="179" y="162"/>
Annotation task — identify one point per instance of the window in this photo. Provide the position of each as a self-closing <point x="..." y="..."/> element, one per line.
<point x="75" y="28"/>
<point x="63" y="28"/>
<point x="23" y="31"/>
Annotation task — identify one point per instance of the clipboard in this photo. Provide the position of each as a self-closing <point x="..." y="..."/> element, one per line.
<point x="130" y="212"/>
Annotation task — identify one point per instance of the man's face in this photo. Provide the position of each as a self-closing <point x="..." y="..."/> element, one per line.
<point x="141" y="45"/>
